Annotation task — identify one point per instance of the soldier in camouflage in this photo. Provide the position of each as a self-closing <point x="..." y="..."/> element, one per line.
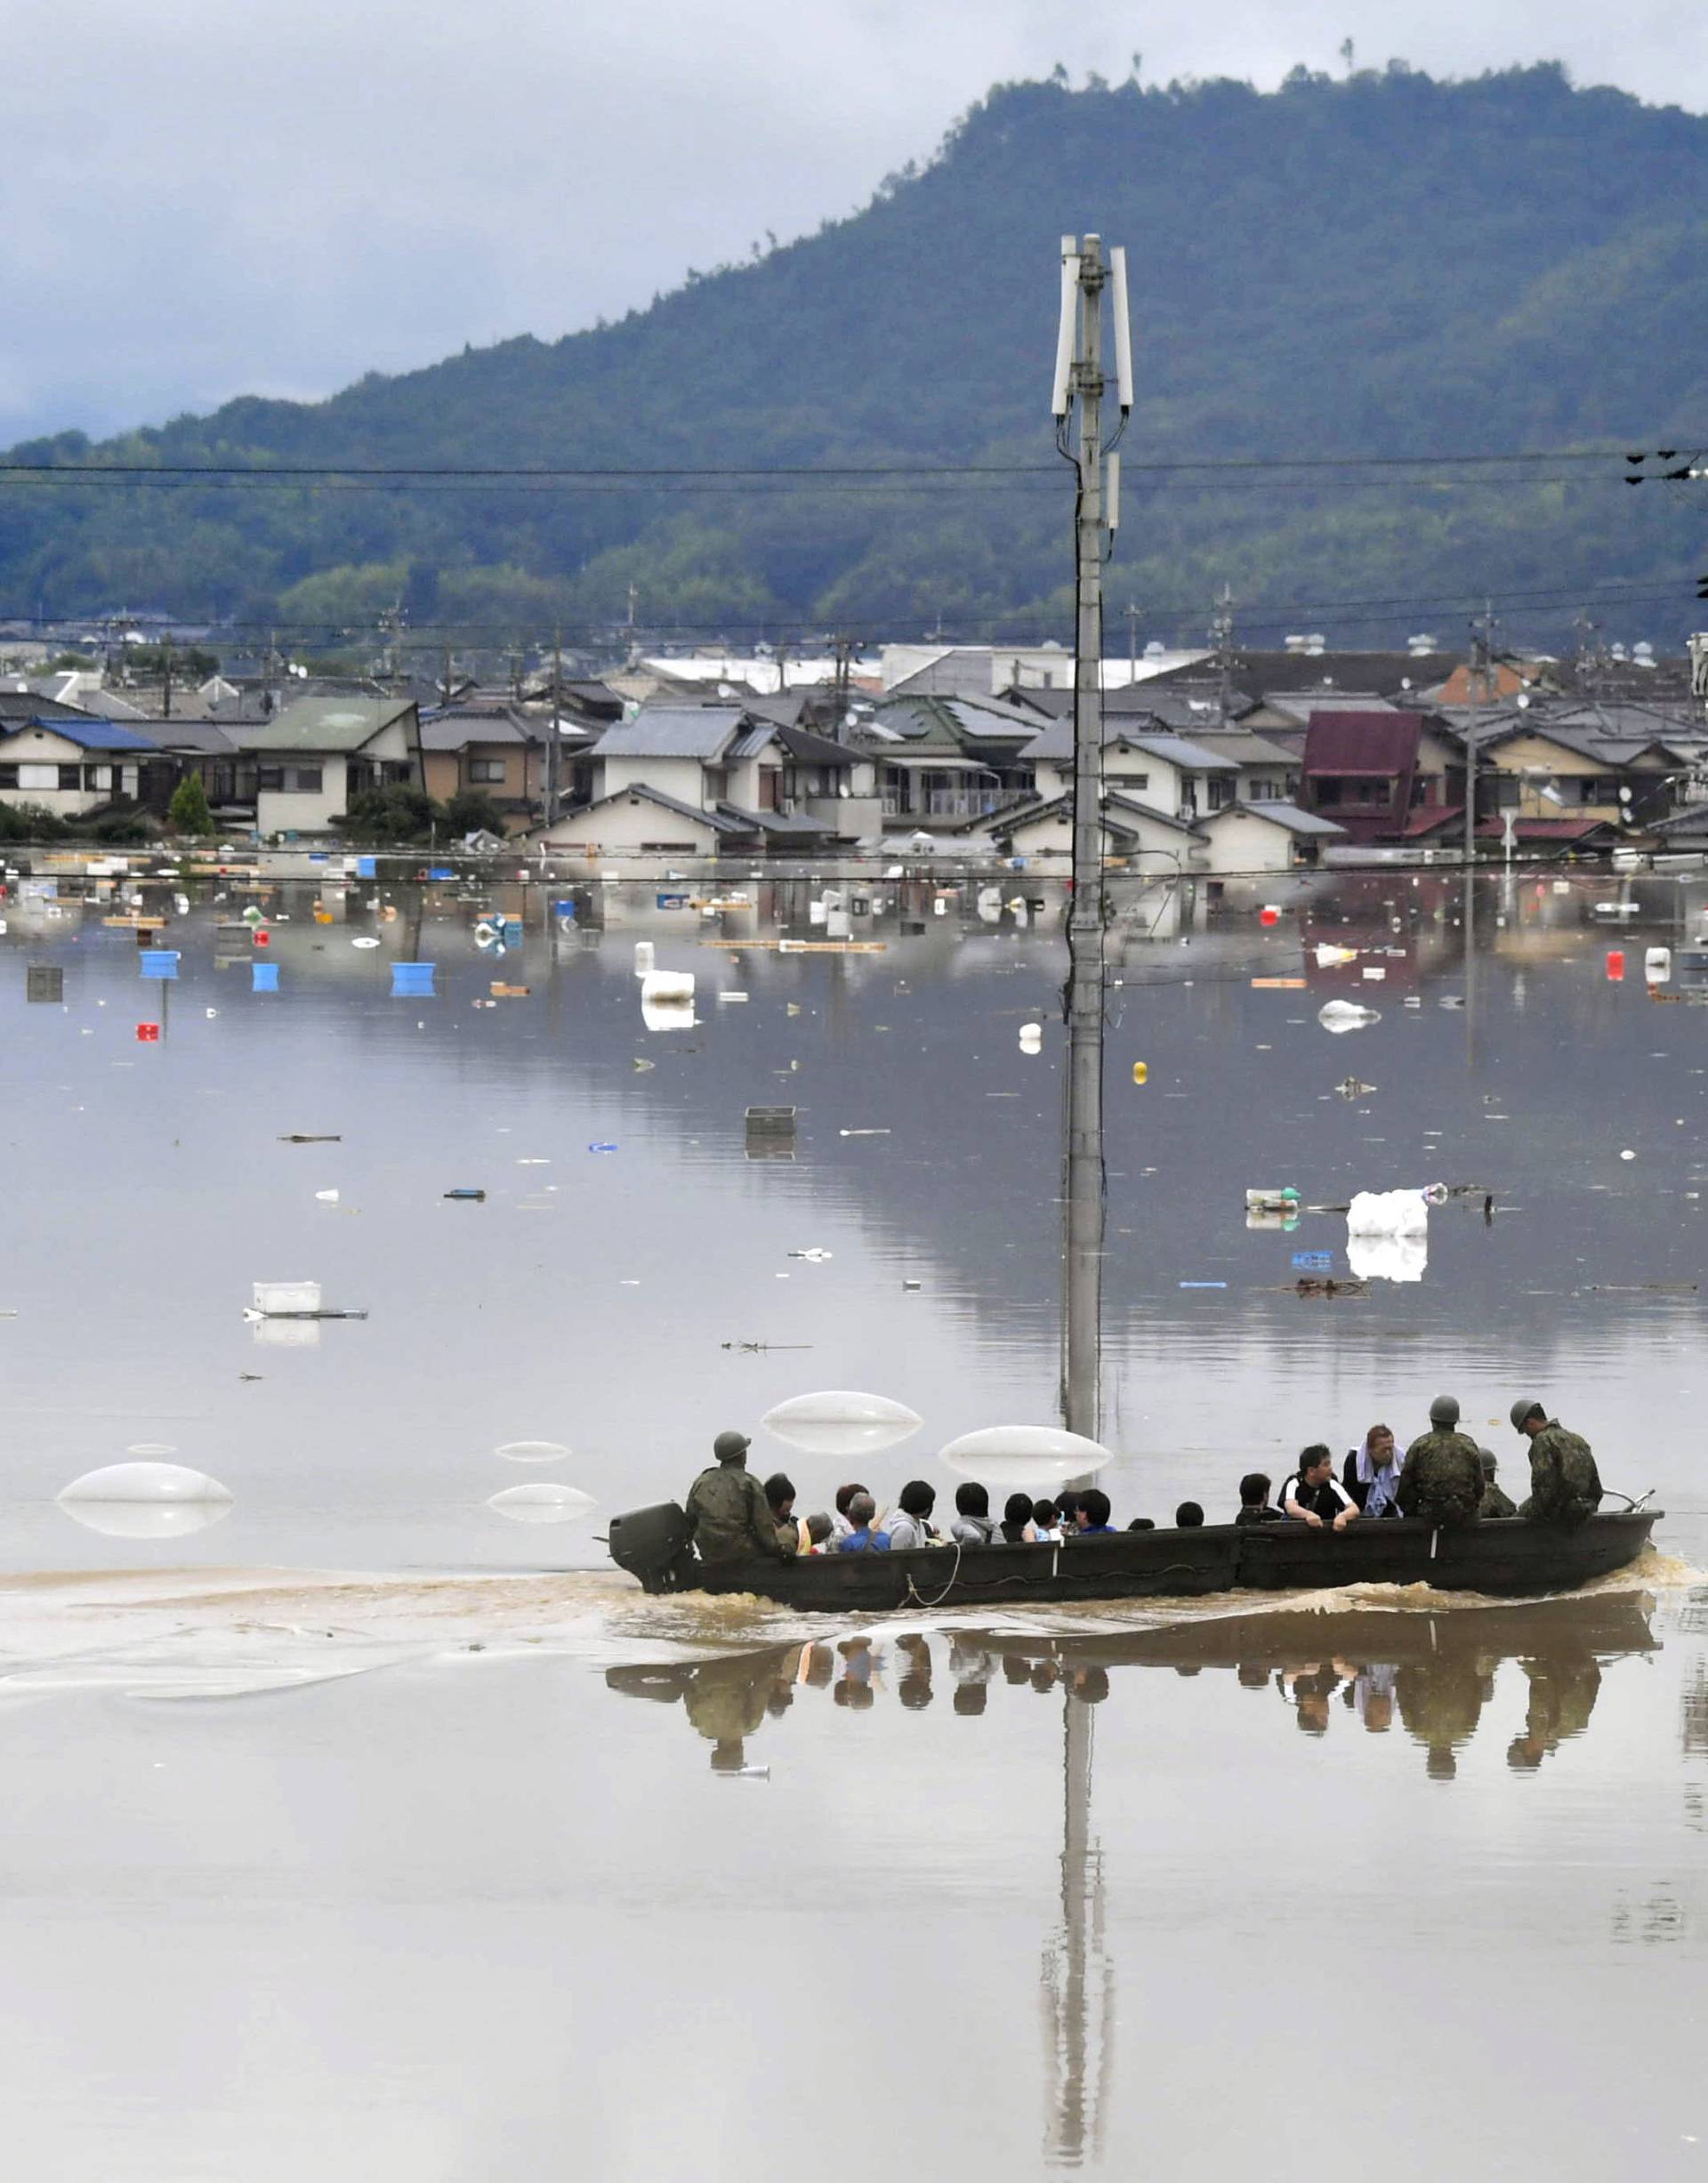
<point x="1494" y="1502"/>
<point x="1565" y="1485"/>
<point x="1442" y="1480"/>
<point x="729" y="1517"/>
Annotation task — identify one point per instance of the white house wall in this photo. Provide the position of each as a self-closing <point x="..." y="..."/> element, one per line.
<point x="1242" y="843"/>
<point x="626" y="825"/>
<point x="682" y="777"/>
<point x="290" y="810"/>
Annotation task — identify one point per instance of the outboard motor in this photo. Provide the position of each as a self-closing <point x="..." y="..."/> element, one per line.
<point x="653" y="1545"/>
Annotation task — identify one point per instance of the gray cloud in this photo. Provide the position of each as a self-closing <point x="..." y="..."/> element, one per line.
<point x="275" y="198"/>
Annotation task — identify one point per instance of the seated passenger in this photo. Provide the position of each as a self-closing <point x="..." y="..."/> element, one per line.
<point x="1315" y="1495"/>
<point x="1255" y="1499"/>
<point x="1189" y="1516"/>
<point x="779" y="1493"/>
<point x="909" y="1522"/>
<point x="840" y="1524"/>
<point x="1494" y="1502"/>
<point x="1142" y="1523"/>
<point x="1016" y="1528"/>
<point x="1371" y="1473"/>
<point x="860" y="1538"/>
<point x="971" y="1525"/>
<point x="1095" y="1516"/>
<point x="1046" y="1524"/>
<point x="1067" y="1502"/>
<point x="819" y="1530"/>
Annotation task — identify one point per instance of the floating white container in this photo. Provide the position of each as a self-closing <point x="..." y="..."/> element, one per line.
<point x="1026" y="1454"/>
<point x="542" y="1503"/>
<point x="151" y="1483"/>
<point x="840" y="1421"/>
<point x="642" y="958"/>
<point x="287" y="1295"/>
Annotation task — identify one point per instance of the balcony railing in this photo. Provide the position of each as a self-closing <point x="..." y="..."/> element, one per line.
<point x="954" y="802"/>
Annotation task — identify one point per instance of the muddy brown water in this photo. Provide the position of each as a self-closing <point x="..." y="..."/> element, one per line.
<point x="347" y="1838"/>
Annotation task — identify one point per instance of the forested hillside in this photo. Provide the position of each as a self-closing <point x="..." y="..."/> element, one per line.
<point x="1384" y="266"/>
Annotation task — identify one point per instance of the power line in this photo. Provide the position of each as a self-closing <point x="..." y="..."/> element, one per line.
<point x="406" y="473"/>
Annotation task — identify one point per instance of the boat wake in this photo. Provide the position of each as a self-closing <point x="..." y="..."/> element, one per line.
<point x="225" y="1634"/>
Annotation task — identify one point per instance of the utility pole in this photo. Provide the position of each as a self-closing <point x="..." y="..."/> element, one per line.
<point x="1479" y="688"/>
<point x="1079" y="381"/>
<point x="165" y="670"/>
<point x="1222" y="636"/>
<point x="1132" y="640"/>
<point x="552" y="747"/>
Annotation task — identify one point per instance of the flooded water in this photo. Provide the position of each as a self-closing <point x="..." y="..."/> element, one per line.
<point x="351" y="1839"/>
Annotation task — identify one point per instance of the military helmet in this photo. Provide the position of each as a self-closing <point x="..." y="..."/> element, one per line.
<point x="727" y="1445"/>
<point x="1524" y="1406"/>
<point x="1445" y="1409"/>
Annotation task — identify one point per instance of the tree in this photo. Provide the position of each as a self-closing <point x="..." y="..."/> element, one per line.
<point x="471" y="811"/>
<point x="188" y="811"/>
<point x="399" y="813"/>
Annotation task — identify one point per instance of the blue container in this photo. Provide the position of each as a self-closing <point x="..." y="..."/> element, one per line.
<point x="412" y="981"/>
<point x="158" y="962"/>
<point x="366" y="868"/>
<point x="567" y="907"/>
<point x="263" y="977"/>
<point x="671" y="901"/>
<point x="440" y="871"/>
<point x="1313" y="1261"/>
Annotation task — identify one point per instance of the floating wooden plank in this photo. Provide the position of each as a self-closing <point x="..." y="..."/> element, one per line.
<point x="803" y="948"/>
<point x="1279" y="985"/>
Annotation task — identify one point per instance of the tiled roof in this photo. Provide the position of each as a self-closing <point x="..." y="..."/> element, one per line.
<point x="704" y="731"/>
<point x="324" y="724"/>
<point x="88" y="735"/>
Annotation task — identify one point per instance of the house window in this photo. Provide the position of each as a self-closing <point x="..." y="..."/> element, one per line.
<point x="70" y="777"/>
<point x="38" y="777"/>
<point x="1327" y="792"/>
<point x="8" y="777"/>
<point x="304" y="780"/>
<point x="1219" y="794"/>
<point x="270" y="780"/>
<point x="1129" y="780"/>
<point x="488" y="770"/>
<point x="670" y="849"/>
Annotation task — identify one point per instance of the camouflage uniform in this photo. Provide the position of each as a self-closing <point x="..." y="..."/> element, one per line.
<point x="1442" y="1480"/>
<point x="1494" y="1502"/>
<point x="1565" y="1485"/>
<point x="729" y="1517"/>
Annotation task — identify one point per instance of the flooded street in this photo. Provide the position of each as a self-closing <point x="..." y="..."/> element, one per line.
<point x="350" y="1838"/>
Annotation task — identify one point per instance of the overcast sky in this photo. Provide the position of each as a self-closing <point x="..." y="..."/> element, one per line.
<point x="208" y="199"/>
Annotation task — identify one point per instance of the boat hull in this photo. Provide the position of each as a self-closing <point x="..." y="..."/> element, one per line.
<point x="1510" y="1559"/>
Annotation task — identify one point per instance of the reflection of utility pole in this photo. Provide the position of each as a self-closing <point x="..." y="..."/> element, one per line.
<point x="165" y="671"/>
<point x="1479" y="690"/>
<point x="1132" y="640"/>
<point x="1079" y="380"/>
<point x="1078" y="1974"/>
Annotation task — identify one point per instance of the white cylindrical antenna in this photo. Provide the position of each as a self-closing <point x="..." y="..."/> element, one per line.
<point x="1122" y="328"/>
<point x="1066" y="327"/>
<point x="1112" y="497"/>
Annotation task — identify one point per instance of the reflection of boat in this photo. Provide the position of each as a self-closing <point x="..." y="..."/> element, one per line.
<point x="1511" y="1559"/>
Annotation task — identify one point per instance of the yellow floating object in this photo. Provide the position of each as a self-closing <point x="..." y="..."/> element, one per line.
<point x="1141" y="1072"/>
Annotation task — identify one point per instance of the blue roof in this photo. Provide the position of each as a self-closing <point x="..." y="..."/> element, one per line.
<point x="95" y="735"/>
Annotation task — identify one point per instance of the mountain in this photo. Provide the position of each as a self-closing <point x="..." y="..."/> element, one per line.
<point x="1384" y="266"/>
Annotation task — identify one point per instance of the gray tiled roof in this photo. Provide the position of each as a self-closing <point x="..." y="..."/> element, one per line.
<point x="673" y="731"/>
<point x="1287" y="815"/>
<point x="324" y="724"/>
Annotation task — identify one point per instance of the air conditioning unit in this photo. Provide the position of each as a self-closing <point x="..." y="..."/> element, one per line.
<point x="786" y="807"/>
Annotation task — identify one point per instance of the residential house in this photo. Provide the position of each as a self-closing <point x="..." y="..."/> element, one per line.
<point x="948" y="763"/>
<point x="776" y="787"/>
<point x="490" y="750"/>
<point x="1165" y="772"/>
<point x="637" y="820"/>
<point x="317" y="754"/>
<point x="1266" y="836"/>
<point x="1132" y="833"/>
<point x="71" y="766"/>
<point x="1384" y="775"/>
<point x="1624" y="765"/>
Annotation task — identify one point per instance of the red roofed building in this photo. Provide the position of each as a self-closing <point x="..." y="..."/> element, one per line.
<point x="1378" y="773"/>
